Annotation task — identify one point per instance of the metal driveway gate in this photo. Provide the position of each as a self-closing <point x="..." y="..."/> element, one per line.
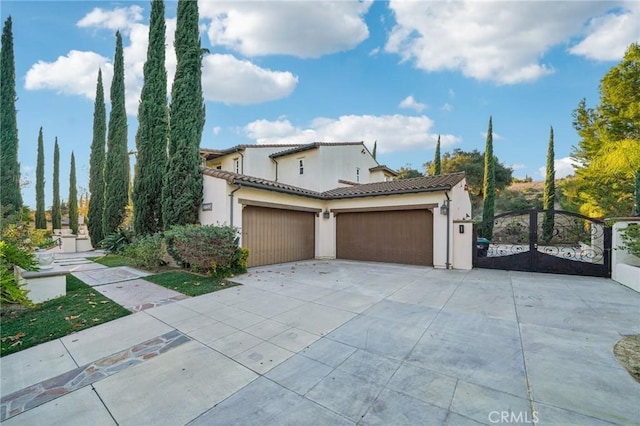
<point x="552" y="241"/>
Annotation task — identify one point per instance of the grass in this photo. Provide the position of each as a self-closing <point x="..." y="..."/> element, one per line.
<point x="81" y="308"/>
<point x="188" y="283"/>
<point x="111" y="260"/>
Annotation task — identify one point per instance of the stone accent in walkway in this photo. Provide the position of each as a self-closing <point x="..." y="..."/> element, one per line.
<point x="40" y="393"/>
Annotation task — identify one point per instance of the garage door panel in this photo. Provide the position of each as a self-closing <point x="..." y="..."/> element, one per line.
<point x="277" y="236"/>
<point x="386" y="236"/>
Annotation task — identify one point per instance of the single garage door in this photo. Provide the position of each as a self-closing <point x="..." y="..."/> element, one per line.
<point x="277" y="236"/>
<point x="404" y="236"/>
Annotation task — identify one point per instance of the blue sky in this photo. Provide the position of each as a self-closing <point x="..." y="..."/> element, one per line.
<point x="398" y="72"/>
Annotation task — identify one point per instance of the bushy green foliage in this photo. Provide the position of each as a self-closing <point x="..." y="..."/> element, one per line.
<point x="548" y="221"/>
<point x="10" y="196"/>
<point x="117" y="242"/>
<point x="96" y="166"/>
<point x="73" y="197"/>
<point x="13" y="253"/>
<point x="153" y="128"/>
<point x="41" y="219"/>
<point x="207" y="249"/>
<point x="56" y="213"/>
<point x="489" y="184"/>
<point x="183" y="181"/>
<point x="146" y="251"/>
<point x="508" y="201"/>
<point x="631" y="239"/>
<point x="116" y="191"/>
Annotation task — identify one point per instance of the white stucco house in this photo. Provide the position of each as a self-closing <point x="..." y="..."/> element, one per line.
<point x="333" y="200"/>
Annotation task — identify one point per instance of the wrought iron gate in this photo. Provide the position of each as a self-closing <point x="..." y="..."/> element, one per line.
<point x="551" y="241"/>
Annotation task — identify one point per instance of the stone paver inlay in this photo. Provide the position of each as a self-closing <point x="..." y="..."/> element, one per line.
<point x="35" y="395"/>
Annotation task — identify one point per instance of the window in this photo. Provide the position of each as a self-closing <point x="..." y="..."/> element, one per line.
<point x="357" y="174"/>
<point x="219" y="166"/>
<point x="236" y="165"/>
<point x="301" y="165"/>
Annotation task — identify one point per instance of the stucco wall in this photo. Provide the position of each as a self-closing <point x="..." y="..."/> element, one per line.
<point x="217" y="192"/>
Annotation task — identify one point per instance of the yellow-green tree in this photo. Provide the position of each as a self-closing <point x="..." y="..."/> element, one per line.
<point x="608" y="154"/>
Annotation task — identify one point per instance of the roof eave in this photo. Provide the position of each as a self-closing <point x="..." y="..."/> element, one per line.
<point x="376" y="194"/>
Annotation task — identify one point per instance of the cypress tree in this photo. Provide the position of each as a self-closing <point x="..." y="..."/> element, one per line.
<point x="10" y="196"/>
<point x="56" y="215"/>
<point x="153" y="127"/>
<point x="96" y="166"/>
<point x="116" y="178"/>
<point x="489" y="184"/>
<point x="637" y="210"/>
<point x="436" y="160"/>
<point x="73" y="197"/>
<point x="182" y="185"/>
<point x="549" y="193"/>
<point x="375" y="149"/>
<point x="41" y="218"/>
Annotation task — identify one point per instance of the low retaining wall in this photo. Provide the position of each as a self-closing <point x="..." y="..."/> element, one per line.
<point x="43" y="285"/>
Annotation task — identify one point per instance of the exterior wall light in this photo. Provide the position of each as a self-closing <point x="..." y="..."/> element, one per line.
<point x="326" y="214"/>
<point x="444" y="208"/>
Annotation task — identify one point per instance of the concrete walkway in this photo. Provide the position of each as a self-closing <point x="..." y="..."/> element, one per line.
<point x="336" y="342"/>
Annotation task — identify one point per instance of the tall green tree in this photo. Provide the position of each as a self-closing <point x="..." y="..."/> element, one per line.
<point x="73" y="197"/>
<point x="116" y="174"/>
<point x="10" y="196"/>
<point x="182" y="185"/>
<point x="375" y="150"/>
<point x="549" y="195"/>
<point x="153" y="127"/>
<point x="437" y="164"/>
<point x="608" y="153"/>
<point x="56" y="214"/>
<point x="637" y="210"/>
<point x="489" y="184"/>
<point x="408" y="172"/>
<point x="472" y="163"/>
<point x="96" y="166"/>
<point x="41" y="218"/>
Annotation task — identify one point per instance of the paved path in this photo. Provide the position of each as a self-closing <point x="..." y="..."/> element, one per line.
<point x="345" y="343"/>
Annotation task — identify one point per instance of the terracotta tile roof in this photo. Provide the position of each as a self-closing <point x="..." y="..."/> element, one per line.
<point x="310" y="146"/>
<point x="402" y="186"/>
<point x="384" y="169"/>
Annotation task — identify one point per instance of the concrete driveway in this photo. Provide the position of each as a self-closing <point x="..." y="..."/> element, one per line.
<point x="336" y="342"/>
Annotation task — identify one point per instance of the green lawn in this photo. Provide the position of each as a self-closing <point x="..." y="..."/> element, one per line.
<point x="188" y="283"/>
<point x="81" y="308"/>
<point x="111" y="260"/>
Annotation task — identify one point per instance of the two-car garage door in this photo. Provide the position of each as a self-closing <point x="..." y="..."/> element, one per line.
<point x="396" y="236"/>
<point x="277" y="235"/>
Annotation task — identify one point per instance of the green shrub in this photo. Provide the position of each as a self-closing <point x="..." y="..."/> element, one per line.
<point x="207" y="249"/>
<point x="117" y="241"/>
<point x="146" y="251"/>
<point x="631" y="239"/>
<point x="10" y="290"/>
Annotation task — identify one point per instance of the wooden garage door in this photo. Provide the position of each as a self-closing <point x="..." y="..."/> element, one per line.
<point x="276" y="236"/>
<point x="386" y="236"/>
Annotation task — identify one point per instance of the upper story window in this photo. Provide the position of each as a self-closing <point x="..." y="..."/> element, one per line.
<point x="357" y="174"/>
<point x="236" y="165"/>
<point x="301" y="166"/>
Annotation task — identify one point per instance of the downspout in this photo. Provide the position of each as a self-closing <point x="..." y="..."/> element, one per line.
<point x="448" y="264"/>
<point x="231" y="204"/>
<point x="241" y="162"/>
<point x="274" y="160"/>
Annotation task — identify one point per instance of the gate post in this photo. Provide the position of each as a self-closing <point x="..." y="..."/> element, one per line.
<point x="533" y="239"/>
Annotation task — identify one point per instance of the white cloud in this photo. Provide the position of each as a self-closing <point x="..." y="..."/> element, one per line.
<point x="303" y="29"/>
<point x="496" y="41"/>
<point x="120" y="18"/>
<point x="216" y="130"/>
<point x="563" y="167"/>
<point x="393" y="132"/>
<point x="608" y="36"/>
<point x="495" y="136"/>
<point x="231" y="80"/>
<point x="447" y="107"/>
<point x="518" y="166"/>
<point x="410" y="103"/>
<point x="224" y="79"/>
<point x="73" y="74"/>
